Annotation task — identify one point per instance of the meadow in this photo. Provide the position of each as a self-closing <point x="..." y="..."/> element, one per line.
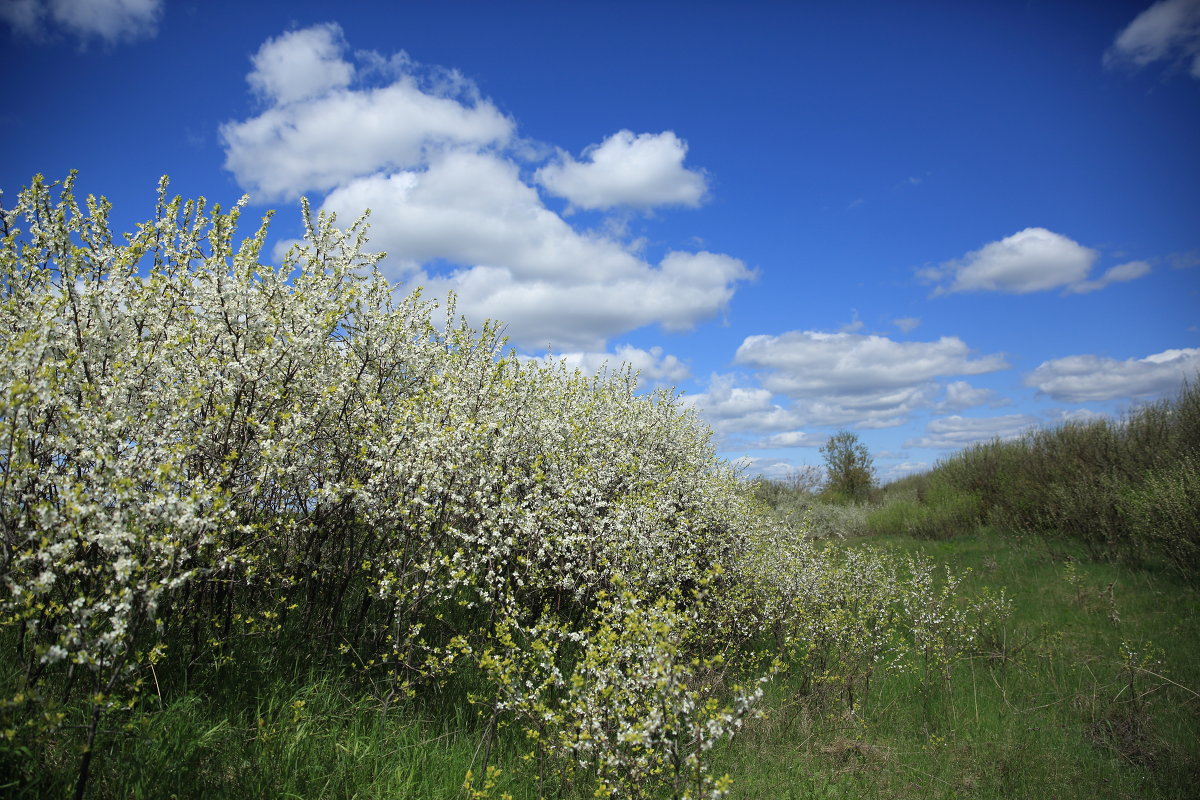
<point x="1087" y="689"/>
<point x="275" y="532"/>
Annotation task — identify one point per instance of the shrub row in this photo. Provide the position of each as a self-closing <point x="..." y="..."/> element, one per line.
<point x="1127" y="488"/>
<point x="201" y="455"/>
<point x="939" y="511"/>
<point x="206" y="461"/>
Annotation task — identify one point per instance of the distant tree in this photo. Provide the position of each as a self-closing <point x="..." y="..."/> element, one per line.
<point x="850" y="473"/>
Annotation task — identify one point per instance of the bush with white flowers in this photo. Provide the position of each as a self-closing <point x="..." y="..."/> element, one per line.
<point x="202" y="455"/>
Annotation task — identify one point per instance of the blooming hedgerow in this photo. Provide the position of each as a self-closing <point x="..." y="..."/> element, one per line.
<point x="198" y="450"/>
<point x="196" y="447"/>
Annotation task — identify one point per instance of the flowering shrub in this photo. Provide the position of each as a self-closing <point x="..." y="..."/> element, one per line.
<point x="201" y="454"/>
<point x="198" y="449"/>
<point x="938" y="629"/>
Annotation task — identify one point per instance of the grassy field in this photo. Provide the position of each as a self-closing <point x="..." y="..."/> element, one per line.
<point x="1088" y="691"/>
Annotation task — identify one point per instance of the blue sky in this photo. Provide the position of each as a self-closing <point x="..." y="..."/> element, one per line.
<point x="929" y="223"/>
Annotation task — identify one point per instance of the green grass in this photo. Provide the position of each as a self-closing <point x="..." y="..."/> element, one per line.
<point x="1046" y="709"/>
<point x="304" y="737"/>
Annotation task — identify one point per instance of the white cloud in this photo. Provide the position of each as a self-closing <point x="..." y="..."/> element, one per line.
<point x="300" y="65"/>
<point x="734" y="409"/>
<point x="523" y="264"/>
<point x="473" y="208"/>
<point x="956" y="432"/>
<point x="885" y="408"/>
<point x="837" y="379"/>
<point x="642" y="171"/>
<point x="654" y="367"/>
<point x="582" y="314"/>
<point x="324" y="142"/>
<point x="1031" y="260"/>
<point x="811" y="363"/>
<point x="1087" y="378"/>
<point x="1118" y="274"/>
<point x="318" y="134"/>
<point x="1169" y="29"/>
<point x="110" y="20"/>
<point x="907" y="324"/>
<point x="731" y="408"/>
<point x="962" y="395"/>
<point x="789" y="439"/>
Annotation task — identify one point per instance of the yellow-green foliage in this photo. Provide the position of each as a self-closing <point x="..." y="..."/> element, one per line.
<point x="623" y="702"/>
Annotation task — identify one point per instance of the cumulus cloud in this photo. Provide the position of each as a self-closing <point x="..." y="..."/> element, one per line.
<point x="643" y="171"/>
<point x="907" y="324"/>
<point x="885" y="408"/>
<point x="1168" y="30"/>
<point x="1031" y="260"/>
<point x="961" y="395"/>
<point x="320" y="143"/>
<point x="730" y="408"/>
<point x="681" y="291"/>
<point x="811" y="363"/>
<point x="1088" y="378"/>
<point x="829" y="379"/>
<point x="789" y="439"/>
<point x="733" y="408"/>
<point x="954" y="432"/>
<point x="581" y="314"/>
<point x="300" y="65"/>
<point x="473" y="208"/>
<point x="109" y="20"/>
<point x="318" y="133"/>
<point x="521" y="263"/>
